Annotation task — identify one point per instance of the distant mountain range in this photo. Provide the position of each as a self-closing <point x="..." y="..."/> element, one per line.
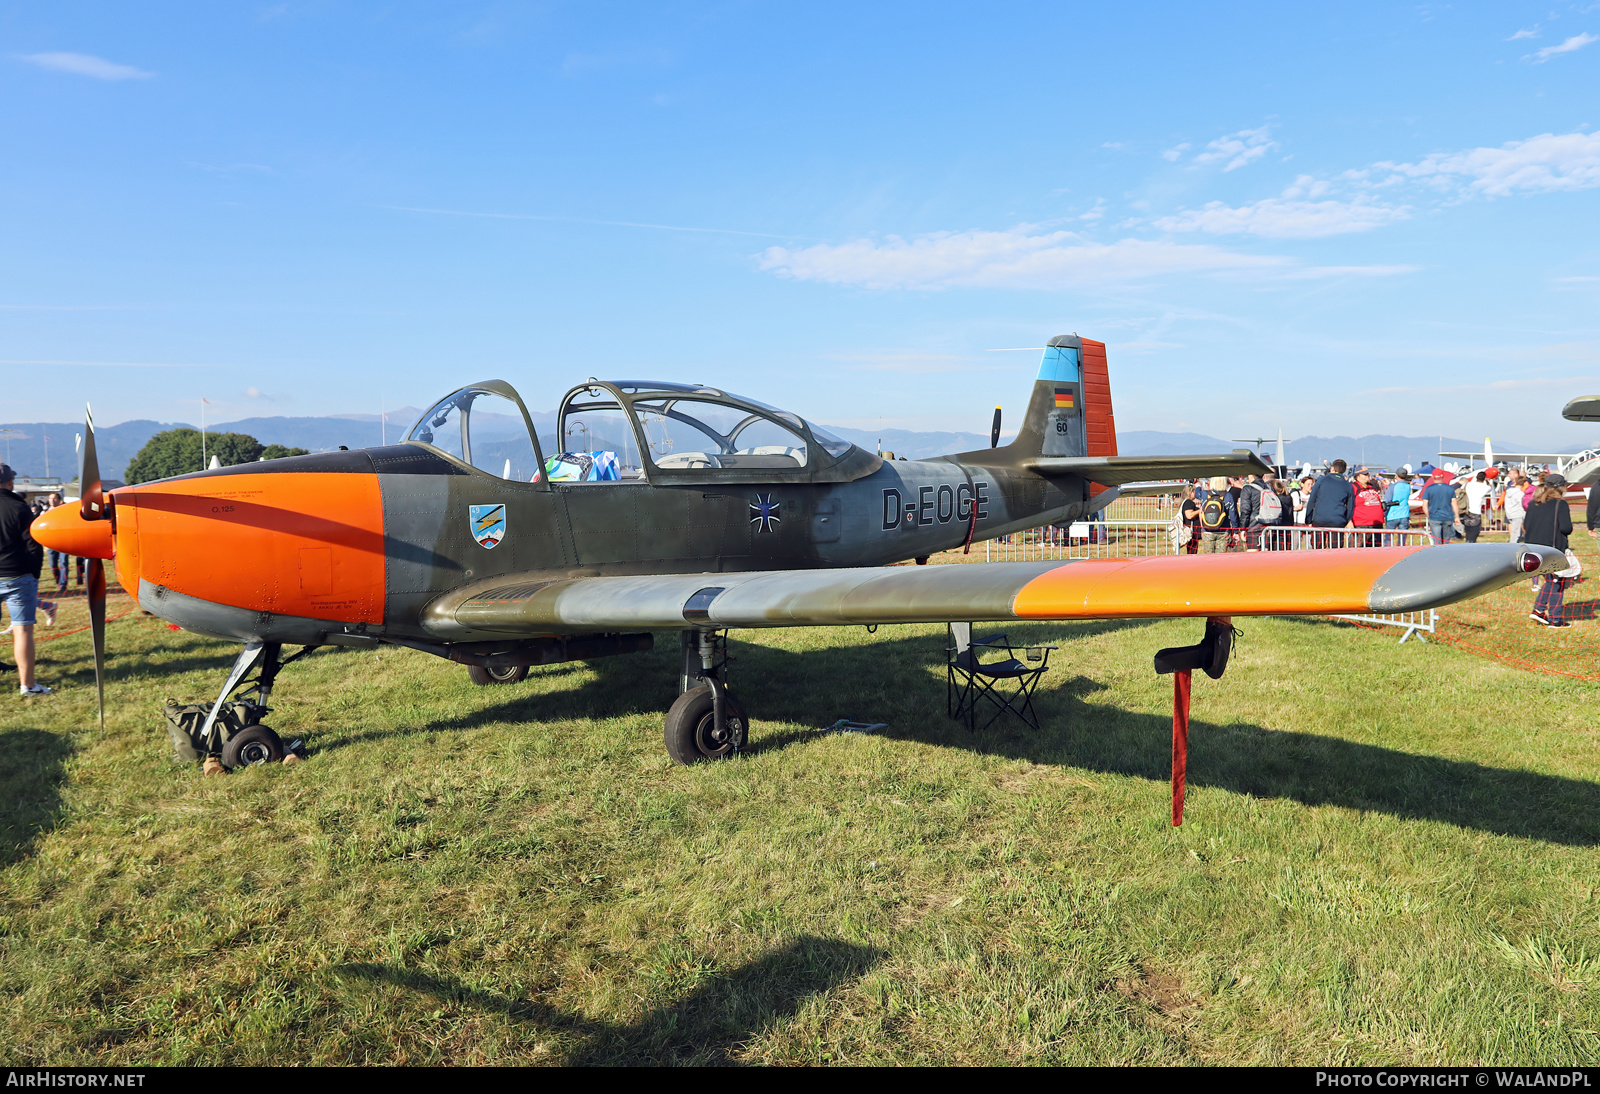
<point x="29" y="443"/>
<point x="1376" y="450"/>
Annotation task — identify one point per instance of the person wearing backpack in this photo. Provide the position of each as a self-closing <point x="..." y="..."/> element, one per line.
<point x="1216" y="520"/>
<point x="1260" y="506"/>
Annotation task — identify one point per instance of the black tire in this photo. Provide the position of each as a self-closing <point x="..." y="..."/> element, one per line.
<point x="254" y="745"/>
<point x="506" y="674"/>
<point x="691" y="727"/>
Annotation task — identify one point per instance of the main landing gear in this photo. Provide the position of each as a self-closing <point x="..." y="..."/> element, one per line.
<point x="707" y="722"/>
<point x="500" y="674"/>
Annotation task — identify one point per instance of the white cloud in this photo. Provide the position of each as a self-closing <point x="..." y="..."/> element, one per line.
<point x="1020" y="258"/>
<point x="1534" y="33"/>
<point x="1171" y="155"/>
<point x="84" y="64"/>
<point x="1238" y="148"/>
<point x="1570" y="161"/>
<point x="1284" y="218"/>
<point x="1576" y="42"/>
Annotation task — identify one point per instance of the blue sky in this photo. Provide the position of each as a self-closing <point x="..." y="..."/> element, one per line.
<point x="1364" y="219"/>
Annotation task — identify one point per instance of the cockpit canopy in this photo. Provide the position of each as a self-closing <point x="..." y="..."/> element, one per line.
<point x="486" y="426"/>
<point x="632" y="430"/>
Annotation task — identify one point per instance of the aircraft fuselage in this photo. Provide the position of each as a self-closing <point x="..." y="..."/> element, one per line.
<point x="342" y="545"/>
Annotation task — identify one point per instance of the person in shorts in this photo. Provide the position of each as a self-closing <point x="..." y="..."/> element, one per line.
<point x="21" y="559"/>
<point x="1443" y="509"/>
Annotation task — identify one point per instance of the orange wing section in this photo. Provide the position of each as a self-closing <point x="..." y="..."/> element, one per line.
<point x="1255" y="583"/>
<point x="287" y="543"/>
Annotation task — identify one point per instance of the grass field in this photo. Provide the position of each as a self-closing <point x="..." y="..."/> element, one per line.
<point x="1389" y="856"/>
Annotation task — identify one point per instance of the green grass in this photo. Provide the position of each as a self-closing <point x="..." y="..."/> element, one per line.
<point x="1389" y="856"/>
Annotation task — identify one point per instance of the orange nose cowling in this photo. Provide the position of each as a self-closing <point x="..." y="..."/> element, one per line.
<point x="64" y="529"/>
<point x="289" y="543"/>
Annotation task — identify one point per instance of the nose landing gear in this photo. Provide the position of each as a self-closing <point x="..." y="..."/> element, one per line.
<point x="231" y="734"/>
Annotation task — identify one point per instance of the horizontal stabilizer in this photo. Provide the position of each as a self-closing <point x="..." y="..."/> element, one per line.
<point x="1116" y="470"/>
<point x="1514" y="457"/>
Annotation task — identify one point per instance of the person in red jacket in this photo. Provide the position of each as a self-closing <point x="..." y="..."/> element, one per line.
<point x="1369" y="508"/>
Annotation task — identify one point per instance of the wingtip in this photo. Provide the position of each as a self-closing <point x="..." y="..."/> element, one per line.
<point x="1446" y="573"/>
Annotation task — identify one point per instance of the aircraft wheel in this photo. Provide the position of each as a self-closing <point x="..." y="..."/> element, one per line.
<point x="253" y="745"/>
<point x="506" y="674"/>
<point x="692" y="731"/>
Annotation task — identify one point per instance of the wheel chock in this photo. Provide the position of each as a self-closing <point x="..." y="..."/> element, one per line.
<point x="213" y="766"/>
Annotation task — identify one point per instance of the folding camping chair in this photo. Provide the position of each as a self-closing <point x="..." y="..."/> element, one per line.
<point x="969" y="680"/>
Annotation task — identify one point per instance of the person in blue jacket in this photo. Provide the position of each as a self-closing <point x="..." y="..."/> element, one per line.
<point x="1332" y="503"/>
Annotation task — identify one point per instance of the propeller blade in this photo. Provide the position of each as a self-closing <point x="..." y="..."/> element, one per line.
<point x="97" y="624"/>
<point x="994" y="430"/>
<point x="91" y="499"/>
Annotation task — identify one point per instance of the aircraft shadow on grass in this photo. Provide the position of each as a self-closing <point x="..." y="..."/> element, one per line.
<point x="708" y="1026"/>
<point x="897" y="680"/>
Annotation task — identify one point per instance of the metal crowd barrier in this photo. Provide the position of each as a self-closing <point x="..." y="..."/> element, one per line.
<point x="1301" y="537"/>
<point x="1084" y="539"/>
<point x="1140" y="538"/>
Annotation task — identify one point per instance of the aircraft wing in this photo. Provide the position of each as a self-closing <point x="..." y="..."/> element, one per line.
<point x="1116" y="470"/>
<point x="1377" y="579"/>
<point x="1512" y="456"/>
<point x="1585" y="408"/>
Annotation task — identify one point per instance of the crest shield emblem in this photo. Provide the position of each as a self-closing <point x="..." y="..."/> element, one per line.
<point x="488" y="525"/>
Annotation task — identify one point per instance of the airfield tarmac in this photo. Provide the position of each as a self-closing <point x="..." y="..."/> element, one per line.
<point x="1388" y="857"/>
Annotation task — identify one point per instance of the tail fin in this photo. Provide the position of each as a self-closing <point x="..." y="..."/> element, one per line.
<point x="1069" y="413"/>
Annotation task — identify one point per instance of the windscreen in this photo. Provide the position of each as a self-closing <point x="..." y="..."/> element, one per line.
<point x="484" y="429"/>
<point x="444" y="426"/>
<point x="691" y="433"/>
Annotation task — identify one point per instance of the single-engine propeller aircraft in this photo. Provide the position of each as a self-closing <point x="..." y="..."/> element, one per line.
<point x="684" y="508"/>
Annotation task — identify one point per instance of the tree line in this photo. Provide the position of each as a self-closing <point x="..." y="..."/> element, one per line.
<point x="178" y="452"/>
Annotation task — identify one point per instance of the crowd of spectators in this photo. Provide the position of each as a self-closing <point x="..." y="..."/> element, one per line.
<point x="1368" y="509"/>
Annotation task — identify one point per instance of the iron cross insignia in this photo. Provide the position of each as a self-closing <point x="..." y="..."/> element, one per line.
<point x="764" y="513"/>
